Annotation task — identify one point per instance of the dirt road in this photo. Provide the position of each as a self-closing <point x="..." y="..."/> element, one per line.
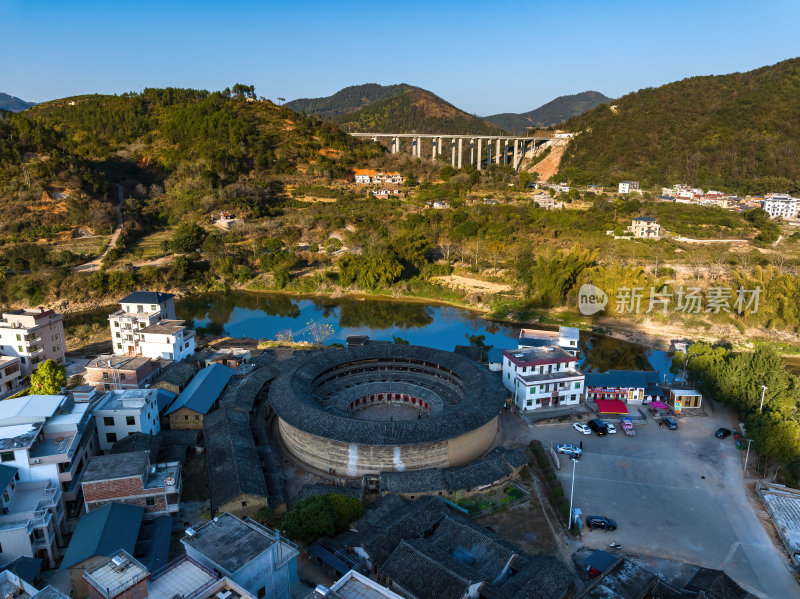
<point x="97" y="262"/>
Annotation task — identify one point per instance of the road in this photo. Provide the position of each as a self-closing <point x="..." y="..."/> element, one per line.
<point x="97" y="262"/>
<point x="676" y="495"/>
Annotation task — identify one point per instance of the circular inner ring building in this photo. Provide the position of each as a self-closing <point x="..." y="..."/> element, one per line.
<point x="384" y="407"/>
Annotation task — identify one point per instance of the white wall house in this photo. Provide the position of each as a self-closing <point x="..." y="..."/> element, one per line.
<point x="47" y="438"/>
<point x="542" y="377"/>
<point x="34" y="336"/>
<point x="124" y="412"/>
<point x="628" y="186"/>
<point x="138" y="310"/>
<point x="168" y="340"/>
<point x="779" y="205"/>
<point x="567" y="338"/>
<point x="10" y="375"/>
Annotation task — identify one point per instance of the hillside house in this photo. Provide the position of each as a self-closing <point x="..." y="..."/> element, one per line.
<point x="138" y="310"/>
<point x="628" y="187"/>
<point x="33" y="336"/>
<point x="542" y="377"/>
<point x="645" y="227"/>
<point x="780" y="205"/>
<point x="108" y="372"/>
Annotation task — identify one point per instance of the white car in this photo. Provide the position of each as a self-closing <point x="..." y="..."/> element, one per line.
<point x="582" y="428"/>
<point x="611" y="429"/>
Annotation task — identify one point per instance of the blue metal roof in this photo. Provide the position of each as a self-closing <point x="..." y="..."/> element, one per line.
<point x="643" y="379"/>
<point x="204" y="389"/>
<point x="164" y="399"/>
<point x="7" y="474"/>
<point x="495" y="355"/>
<point x="104" y="531"/>
<point x="145" y="297"/>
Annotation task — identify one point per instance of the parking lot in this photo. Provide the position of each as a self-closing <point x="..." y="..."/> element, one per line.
<point x="676" y="495"/>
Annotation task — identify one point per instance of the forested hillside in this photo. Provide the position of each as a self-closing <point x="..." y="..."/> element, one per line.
<point x="347" y="100"/>
<point x="737" y="132"/>
<point x="415" y="110"/>
<point x="554" y="112"/>
<point x="216" y="149"/>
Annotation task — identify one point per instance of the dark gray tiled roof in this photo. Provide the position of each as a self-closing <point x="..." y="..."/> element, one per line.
<point x="177" y="373"/>
<point x="427" y="571"/>
<point x="307" y="491"/>
<point x="292" y="395"/>
<point x="231" y="456"/>
<point x="716" y="584"/>
<point x="146" y="297"/>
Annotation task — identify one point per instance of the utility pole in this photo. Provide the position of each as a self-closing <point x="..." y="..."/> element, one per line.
<point x="572" y="490"/>
<point x="747" y="455"/>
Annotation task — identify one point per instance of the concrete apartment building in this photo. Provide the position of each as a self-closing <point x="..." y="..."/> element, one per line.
<point x="138" y="310"/>
<point x="252" y="556"/>
<point x="122" y="576"/>
<point x="121" y="413"/>
<point x="780" y="205"/>
<point x="33" y="336"/>
<point x="47" y="438"/>
<point x="628" y="186"/>
<point x="131" y="478"/>
<point x="10" y="375"/>
<point x="542" y="377"/>
<point x="166" y="340"/>
<point x="645" y="227"/>
<point x="32" y="521"/>
<point x="109" y="372"/>
<point x="15" y="587"/>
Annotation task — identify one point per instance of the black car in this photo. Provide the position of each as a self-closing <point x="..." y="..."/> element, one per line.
<point x="600" y="522"/>
<point x="669" y="423"/>
<point x="722" y="433"/>
<point x="598" y="426"/>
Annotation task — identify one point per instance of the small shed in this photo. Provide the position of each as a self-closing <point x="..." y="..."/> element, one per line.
<point x="682" y="399"/>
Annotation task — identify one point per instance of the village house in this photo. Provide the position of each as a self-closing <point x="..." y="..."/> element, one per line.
<point x="645" y="227"/>
<point x="47" y="438"/>
<point x="33" y="336"/>
<point x="138" y="310"/>
<point x="175" y="377"/>
<point x="32" y="520"/>
<point x="167" y="340"/>
<point x="629" y="386"/>
<point x="567" y="338"/>
<point x="365" y="176"/>
<point x="199" y="398"/>
<point x="629" y="187"/>
<point x="780" y="205"/>
<point x="109" y="372"/>
<point x="121" y="413"/>
<point x="542" y="377"/>
<point x="10" y="375"/>
<point x="131" y="478"/>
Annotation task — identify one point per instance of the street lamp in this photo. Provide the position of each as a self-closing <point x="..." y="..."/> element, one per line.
<point x="763" y="392"/>
<point x="747" y="455"/>
<point x="572" y="490"/>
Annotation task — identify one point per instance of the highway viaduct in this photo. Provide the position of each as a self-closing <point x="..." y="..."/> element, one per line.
<point x="498" y="147"/>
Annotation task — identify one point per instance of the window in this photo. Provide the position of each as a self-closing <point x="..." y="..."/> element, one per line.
<point x="533" y="390"/>
<point x="122" y="377"/>
<point x="153" y="308"/>
<point x="197" y="417"/>
<point x="116" y="323"/>
<point x="244" y="504"/>
<point x="130" y="420"/>
<point x="22" y="359"/>
<point x="7" y="456"/>
<point x="262" y="592"/>
<point x="19" y="338"/>
<point x="106" y="386"/>
<point x="186" y="418"/>
<point x="111" y="437"/>
<point x="105" y="375"/>
<point x="578" y="385"/>
<point x="118" y="334"/>
<point x="108" y="420"/>
<point x="150" y="501"/>
<point x="5" y="497"/>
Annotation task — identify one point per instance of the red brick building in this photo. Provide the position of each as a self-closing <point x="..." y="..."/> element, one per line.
<point x="131" y="478"/>
<point x="109" y="372"/>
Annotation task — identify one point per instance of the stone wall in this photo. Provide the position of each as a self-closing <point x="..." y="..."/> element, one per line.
<point x="353" y="460"/>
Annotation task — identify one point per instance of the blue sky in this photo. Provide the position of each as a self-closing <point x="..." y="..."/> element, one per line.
<point x="485" y="57"/>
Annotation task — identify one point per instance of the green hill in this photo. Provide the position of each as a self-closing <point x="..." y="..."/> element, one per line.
<point x="554" y="112"/>
<point x="10" y="103"/>
<point x="737" y="132"/>
<point x="415" y="110"/>
<point x="208" y="150"/>
<point x="348" y="99"/>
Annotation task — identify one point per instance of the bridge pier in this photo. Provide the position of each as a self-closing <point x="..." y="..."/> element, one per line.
<point x="516" y="153"/>
<point x="472" y="152"/>
<point x="459" y="152"/>
<point x="497" y="158"/>
<point x="480" y="141"/>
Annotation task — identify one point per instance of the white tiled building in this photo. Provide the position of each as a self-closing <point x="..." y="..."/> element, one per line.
<point x="138" y="310"/>
<point x="34" y="336"/>
<point x="541" y="377"/>
<point x="124" y="412"/>
<point x="47" y="438"/>
<point x="168" y="340"/>
<point x="781" y="205"/>
<point x="10" y="375"/>
<point x="628" y="186"/>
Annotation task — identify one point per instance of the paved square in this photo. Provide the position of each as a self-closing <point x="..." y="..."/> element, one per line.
<point x="674" y="494"/>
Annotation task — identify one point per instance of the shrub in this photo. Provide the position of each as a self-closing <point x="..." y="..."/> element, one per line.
<point x="535" y="443"/>
<point x="550" y="476"/>
<point x="554" y="484"/>
<point x="563" y="509"/>
<point x="556" y="492"/>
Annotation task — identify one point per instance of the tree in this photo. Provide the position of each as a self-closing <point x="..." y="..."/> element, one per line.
<point x="345" y="510"/>
<point x="188" y="237"/>
<point x="263" y="515"/>
<point x="399" y="341"/>
<point x="319" y="331"/>
<point x="49" y="378"/>
<point x="214" y="246"/>
<point x="309" y="520"/>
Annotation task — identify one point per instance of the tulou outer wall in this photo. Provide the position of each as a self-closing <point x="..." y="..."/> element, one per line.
<point x="354" y="460"/>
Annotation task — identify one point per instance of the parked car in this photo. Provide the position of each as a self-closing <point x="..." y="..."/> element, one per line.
<point x="582" y="428"/>
<point x="669" y="423"/>
<point x="627" y="426"/>
<point x="722" y="433"/>
<point x="600" y="522"/>
<point x="569" y="449"/>
<point x="599" y="427"/>
<point x="612" y="430"/>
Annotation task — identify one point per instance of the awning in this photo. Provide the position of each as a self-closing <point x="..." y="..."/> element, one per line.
<point x="659" y="405"/>
<point x="611" y="406"/>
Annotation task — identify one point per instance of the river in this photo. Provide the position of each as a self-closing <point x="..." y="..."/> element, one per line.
<point x="267" y="315"/>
